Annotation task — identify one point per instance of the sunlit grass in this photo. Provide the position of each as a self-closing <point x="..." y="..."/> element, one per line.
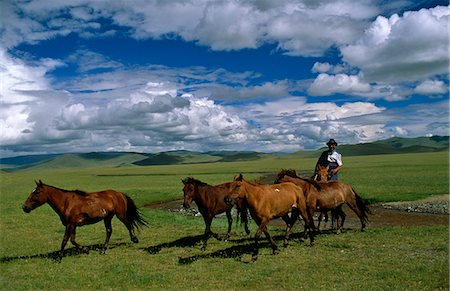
<point x="409" y="258"/>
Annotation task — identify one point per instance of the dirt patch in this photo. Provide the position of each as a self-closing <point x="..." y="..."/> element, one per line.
<point x="408" y="213"/>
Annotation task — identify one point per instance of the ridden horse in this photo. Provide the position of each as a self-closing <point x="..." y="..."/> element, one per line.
<point x="78" y="208"/>
<point x="332" y="195"/>
<point x="267" y="202"/>
<point x="210" y="201"/>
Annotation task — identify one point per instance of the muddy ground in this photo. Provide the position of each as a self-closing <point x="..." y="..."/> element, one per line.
<point x="382" y="214"/>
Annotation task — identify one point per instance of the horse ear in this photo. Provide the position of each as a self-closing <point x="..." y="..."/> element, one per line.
<point x="40" y="183"/>
<point x="240" y="177"/>
<point x="36" y="182"/>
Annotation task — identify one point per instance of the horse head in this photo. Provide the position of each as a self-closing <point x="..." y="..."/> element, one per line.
<point x="36" y="198"/>
<point x="285" y="172"/>
<point x="322" y="174"/>
<point x="189" y="190"/>
<point x="235" y="192"/>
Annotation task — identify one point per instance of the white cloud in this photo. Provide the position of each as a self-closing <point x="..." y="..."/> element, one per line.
<point x="430" y="87"/>
<point x="326" y="84"/>
<point x="319" y="67"/>
<point x="144" y="117"/>
<point x="411" y="47"/>
<point x="294" y="124"/>
<point x="221" y="25"/>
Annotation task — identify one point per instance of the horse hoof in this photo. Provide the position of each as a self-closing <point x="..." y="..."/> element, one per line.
<point x="135" y="240"/>
<point x="85" y="250"/>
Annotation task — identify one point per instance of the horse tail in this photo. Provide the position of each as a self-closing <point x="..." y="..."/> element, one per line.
<point x="363" y="208"/>
<point x="134" y="216"/>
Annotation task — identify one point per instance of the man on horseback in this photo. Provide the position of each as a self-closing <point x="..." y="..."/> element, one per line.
<point x="331" y="159"/>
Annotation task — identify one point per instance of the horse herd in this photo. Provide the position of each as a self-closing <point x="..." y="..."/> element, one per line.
<point x="289" y="198"/>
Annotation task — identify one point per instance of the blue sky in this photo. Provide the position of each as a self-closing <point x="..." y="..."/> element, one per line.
<point x="268" y="75"/>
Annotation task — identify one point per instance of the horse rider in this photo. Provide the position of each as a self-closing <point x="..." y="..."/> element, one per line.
<point x="331" y="159"/>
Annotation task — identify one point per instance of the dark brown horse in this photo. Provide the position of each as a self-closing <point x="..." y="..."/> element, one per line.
<point x="332" y="195"/>
<point x="210" y="201"/>
<point x="78" y="208"/>
<point x="267" y="202"/>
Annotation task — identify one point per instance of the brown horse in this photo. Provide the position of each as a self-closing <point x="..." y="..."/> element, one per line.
<point x="210" y="201"/>
<point x="322" y="174"/>
<point x="332" y="195"/>
<point x="78" y="208"/>
<point x="267" y="202"/>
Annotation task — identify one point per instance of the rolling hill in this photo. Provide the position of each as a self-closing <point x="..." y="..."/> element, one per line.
<point x="393" y="145"/>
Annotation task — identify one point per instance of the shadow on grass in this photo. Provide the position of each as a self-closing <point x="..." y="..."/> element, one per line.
<point x="70" y="252"/>
<point x="188" y="241"/>
<point x="241" y="247"/>
<point x="247" y="247"/>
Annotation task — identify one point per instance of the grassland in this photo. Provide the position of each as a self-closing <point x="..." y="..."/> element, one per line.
<point x="169" y="256"/>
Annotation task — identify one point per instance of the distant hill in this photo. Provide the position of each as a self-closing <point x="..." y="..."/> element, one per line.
<point x="397" y="145"/>
<point x="393" y="145"/>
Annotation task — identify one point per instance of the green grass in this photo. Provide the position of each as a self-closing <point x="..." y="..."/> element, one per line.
<point x="169" y="256"/>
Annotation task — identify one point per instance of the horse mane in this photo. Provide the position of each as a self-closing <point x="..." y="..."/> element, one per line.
<point x="293" y="174"/>
<point x="78" y="192"/>
<point x="253" y="183"/>
<point x="190" y="180"/>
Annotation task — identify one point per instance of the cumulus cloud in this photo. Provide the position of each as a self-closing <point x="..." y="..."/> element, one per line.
<point x="397" y="49"/>
<point x="221" y="25"/>
<point x="146" y="117"/>
<point x="430" y="87"/>
<point x="326" y="84"/>
<point x="149" y="108"/>
<point x="294" y="124"/>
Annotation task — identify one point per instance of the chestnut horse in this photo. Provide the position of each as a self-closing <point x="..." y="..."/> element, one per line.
<point x="210" y="201"/>
<point x="78" y="208"/>
<point x="322" y="175"/>
<point x="332" y="195"/>
<point x="267" y="202"/>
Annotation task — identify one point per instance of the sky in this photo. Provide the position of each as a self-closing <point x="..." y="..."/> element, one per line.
<point x="201" y="75"/>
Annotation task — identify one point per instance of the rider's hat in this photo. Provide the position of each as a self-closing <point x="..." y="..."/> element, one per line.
<point x="332" y="141"/>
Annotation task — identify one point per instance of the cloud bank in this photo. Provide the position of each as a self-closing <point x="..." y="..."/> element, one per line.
<point x="112" y="106"/>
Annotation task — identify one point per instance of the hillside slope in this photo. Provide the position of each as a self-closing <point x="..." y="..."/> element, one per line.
<point x="393" y="145"/>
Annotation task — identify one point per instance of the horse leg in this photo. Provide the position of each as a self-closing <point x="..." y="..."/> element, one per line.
<point x="287" y="220"/>
<point x="244" y="218"/>
<point x="108" y="233"/>
<point x="262" y="226"/>
<point x="230" y="223"/>
<point x="307" y="217"/>
<point x="322" y="216"/>
<point x="335" y="214"/>
<point x="208" y="233"/>
<point x="272" y="242"/>
<point x="289" y="224"/>
<point x="64" y="242"/>
<point x="72" y="240"/>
